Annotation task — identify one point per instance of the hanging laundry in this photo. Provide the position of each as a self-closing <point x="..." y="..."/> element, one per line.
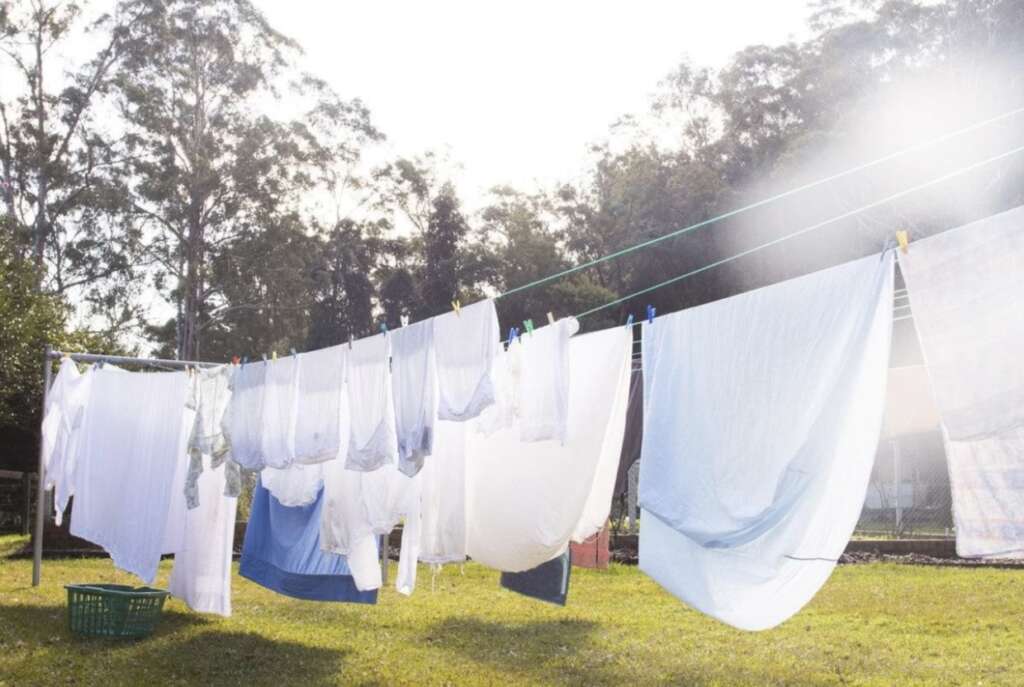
<point x="212" y="393"/>
<point x="547" y="582"/>
<point x="201" y="576"/>
<point x="966" y="289"/>
<point x="391" y="496"/>
<point x="633" y="441"/>
<point x="762" y="417"/>
<point x="243" y="420"/>
<point x="125" y="472"/>
<point x="544" y="381"/>
<point x="506" y="376"/>
<point x="282" y="552"/>
<point x="526" y="500"/>
<point x="466" y="343"/>
<point x="295" y="485"/>
<point x="372" y="440"/>
<point x="443" y="497"/>
<point x="280" y="403"/>
<point x="414" y="385"/>
<point x="60" y="432"/>
<point x="345" y="527"/>
<point x="320" y="395"/>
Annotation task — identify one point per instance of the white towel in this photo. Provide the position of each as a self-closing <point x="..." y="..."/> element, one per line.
<point x="762" y="414"/>
<point x="321" y="389"/>
<point x="280" y="404"/>
<point x="544" y="381"/>
<point x="372" y="440"/>
<point x="243" y="420"/>
<point x="466" y="344"/>
<point x="414" y="384"/>
<point x="966" y="289"/>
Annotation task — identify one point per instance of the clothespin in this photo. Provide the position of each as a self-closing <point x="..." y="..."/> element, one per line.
<point x="273" y="356"/>
<point x="350" y="341"/>
<point x="264" y="357"/>
<point x="294" y="354"/>
<point x="245" y="359"/>
<point x="528" y="324"/>
<point x="457" y="306"/>
<point x="511" y="335"/>
<point x="551" y="318"/>
<point x="651" y="311"/>
<point x="903" y="238"/>
<point x="404" y="319"/>
<point x="629" y="321"/>
<point x="383" y="327"/>
<point x="235" y="360"/>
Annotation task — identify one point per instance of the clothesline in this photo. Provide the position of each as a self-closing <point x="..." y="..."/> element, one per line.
<point x="765" y="201"/>
<point x="806" y="230"/>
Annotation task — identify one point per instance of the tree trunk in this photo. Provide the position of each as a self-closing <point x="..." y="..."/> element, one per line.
<point x="42" y="226"/>
<point x="193" y="300"/>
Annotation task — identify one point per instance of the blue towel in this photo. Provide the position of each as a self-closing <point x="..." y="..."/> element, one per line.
<point x="282" y="553"/>
<point x="547" y="582"/>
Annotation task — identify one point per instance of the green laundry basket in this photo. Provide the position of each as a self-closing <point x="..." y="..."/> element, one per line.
<point x="113" y="610"/>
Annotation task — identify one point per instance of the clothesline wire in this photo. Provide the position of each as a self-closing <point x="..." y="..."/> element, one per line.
<point x="806" y="230"/>
<point x="764" y="201"/>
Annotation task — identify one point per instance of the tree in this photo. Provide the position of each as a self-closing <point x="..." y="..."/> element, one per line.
<point x="206" y="166"/>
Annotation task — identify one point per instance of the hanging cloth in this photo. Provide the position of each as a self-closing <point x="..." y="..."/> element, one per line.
<point x="201" y="576"/>
<point x="762" y="417"/>
<point x="466" y="343"/>
<point x="282" y="553"/>
<point x="280" y="403"/>
<point x="633" y="441"/>
<point x="526" y="500"/>
<point x="966" y="289"/>
<point x="443" y="497"/>
<point x="125" y="473"/>
<point x="320" y="394"/>
<point x="414" y="385"/>
<point x="212" y="393"/>
<point x="544" y="381"/>
<point x="547" y="582"/>
<point x="61" y="435"/>
<point x="243" y="420"/>
<point x="295" y="485"/>
<point x="372" y="440"/>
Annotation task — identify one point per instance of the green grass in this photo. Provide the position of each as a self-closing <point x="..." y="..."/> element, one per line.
<point x="877" y="624"/>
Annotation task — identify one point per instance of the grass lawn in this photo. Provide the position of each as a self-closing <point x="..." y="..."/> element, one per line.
<point x="874" y="624"/>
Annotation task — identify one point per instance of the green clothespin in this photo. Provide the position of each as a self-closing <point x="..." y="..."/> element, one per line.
<point x="528" y="324"/>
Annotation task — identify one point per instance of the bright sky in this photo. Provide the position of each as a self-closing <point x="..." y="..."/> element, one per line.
<point x="514" y="92"/>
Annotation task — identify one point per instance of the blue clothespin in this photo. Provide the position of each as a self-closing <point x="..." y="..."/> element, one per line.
<point x="629" y="321"/>
<point x="511" y="335"/>
<point x="651" y="311"/>
<point x="383" y="327"/>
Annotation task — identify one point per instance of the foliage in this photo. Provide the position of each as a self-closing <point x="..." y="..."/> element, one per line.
<point x="872" y="624"/>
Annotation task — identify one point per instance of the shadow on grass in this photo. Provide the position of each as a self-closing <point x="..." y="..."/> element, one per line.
<point x="185" y="648"/>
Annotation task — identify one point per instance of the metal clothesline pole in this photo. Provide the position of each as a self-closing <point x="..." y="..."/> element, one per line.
<point x="49" y="355"/>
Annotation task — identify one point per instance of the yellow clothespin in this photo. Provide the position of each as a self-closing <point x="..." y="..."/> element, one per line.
<point x="273" y="356"/>
<point x="551" y="318"/>
<point x="903" y="238"/>
<point x="457" y="306"/>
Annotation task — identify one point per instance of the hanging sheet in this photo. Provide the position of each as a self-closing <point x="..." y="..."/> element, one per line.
<point x="372" y="440"/>
<point x="61" y="433"/>
<point x="544" y="381"/>
<point x="526" y="500"/>
<point x="966" y="289"/>
<point x="125" y="473"/>
<point x="762" y="417"/>
<point x="465" y="346"/>
<point x="414" y="384"/>
<point x="320" y="397"/>
<point x="282" y="552"/>
<point x="201" y="576"/>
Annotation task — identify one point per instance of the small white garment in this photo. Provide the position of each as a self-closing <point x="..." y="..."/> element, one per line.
<point x="213" y="393"/>
<point x="544" y="381"/>
<point x="201" y="576"/>
<point x="60" y="432"/>
<point x="465" y="345"/>
<point x="966" y="289"/>
<point x="414" y="385"/>
<point x="390" y="497"/>
<point x="762" y="414"/>
<point x="133" y="443"/>
<point x="317" y="420"/>
<point x="526" y="500"/>
<point x="295" y="485"/>
<point x="372" y="440"/>
<point x="280" y="403"/>
<point x="443" y="497"/>
<point x="243" y="420"/>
